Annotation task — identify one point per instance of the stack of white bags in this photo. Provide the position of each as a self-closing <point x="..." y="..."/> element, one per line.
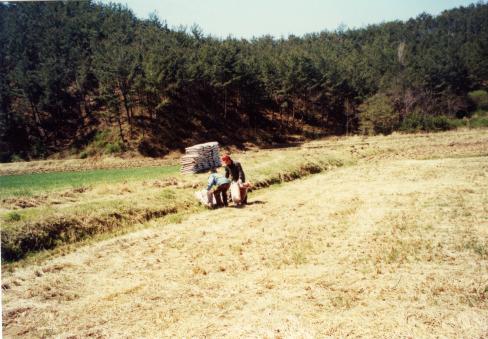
<point x="200" y="158"/>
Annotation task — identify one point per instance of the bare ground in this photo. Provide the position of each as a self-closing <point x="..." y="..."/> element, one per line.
<point x="391" y="248"/>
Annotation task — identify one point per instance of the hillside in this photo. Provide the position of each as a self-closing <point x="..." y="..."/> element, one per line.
<point x="81" y="79"/>
<point x="392" y="244"/>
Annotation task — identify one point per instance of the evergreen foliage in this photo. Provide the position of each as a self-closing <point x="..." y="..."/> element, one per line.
<point x="480" y="99"/>
<point x="70" y="69"/>
<point x="377" y="115"/>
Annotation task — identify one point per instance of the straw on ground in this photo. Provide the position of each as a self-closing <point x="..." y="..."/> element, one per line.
<point x="385" y="248"/>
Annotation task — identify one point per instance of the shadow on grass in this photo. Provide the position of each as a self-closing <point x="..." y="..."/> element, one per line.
<point x="255" y="202"/>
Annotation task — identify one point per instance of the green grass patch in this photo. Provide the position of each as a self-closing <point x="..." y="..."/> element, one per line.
<point x="427" y="123"/>
<point x="12" y="217"/>
<point x="27" y="185"/>
<point x="421" y="122"/>
<point x="479" y="98"/>
<point x="104" y="142"/>
<point x="478" y="122"/>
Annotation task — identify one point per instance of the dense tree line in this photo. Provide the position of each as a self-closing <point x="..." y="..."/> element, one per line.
<point x="71" y="69"/>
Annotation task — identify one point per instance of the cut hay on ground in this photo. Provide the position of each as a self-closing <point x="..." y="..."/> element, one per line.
<point x="390" y="248"/>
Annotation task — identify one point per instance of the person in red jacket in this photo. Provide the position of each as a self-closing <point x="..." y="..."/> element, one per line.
<point x="233" y="169"/>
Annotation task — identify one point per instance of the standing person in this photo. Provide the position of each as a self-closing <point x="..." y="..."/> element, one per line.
<point x="234" y="170"/>
<point x="222" y="186"/>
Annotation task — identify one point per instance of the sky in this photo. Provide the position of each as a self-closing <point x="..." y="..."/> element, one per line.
<point x="280" y="18"/>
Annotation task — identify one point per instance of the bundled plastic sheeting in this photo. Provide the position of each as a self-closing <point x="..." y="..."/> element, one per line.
<point x="201" y="157"/>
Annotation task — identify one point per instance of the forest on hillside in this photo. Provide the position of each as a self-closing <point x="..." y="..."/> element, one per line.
<point x="79" y="75"/>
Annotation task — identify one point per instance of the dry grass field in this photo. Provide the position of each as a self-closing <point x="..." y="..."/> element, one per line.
<point x="393" y="245"/>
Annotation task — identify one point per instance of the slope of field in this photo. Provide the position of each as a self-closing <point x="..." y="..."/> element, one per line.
<point x="394" y="246"/>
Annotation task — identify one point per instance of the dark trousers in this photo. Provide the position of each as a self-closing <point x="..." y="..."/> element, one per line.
<point x="220" y="194"/>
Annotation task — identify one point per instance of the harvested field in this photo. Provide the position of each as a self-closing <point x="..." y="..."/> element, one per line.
<point x="394" y="245"/>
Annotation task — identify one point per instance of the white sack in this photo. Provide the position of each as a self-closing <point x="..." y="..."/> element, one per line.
<point x="235" y="192"/>
<point x="206" y="198"/>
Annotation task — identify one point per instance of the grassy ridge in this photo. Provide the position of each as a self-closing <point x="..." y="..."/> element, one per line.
<point x="28" y="184"/>
<point x="53" y="231"/>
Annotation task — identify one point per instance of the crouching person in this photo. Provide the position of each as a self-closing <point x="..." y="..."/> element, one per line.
<point x="233" y="169"/>
<point x="221" y="184"/>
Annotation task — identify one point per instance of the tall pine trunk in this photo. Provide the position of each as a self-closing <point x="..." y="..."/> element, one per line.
<point x="37" y="119"/>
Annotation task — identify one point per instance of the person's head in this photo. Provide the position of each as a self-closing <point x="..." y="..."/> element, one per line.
<point x="226" y="160"/>
<point x="213" y="170"/>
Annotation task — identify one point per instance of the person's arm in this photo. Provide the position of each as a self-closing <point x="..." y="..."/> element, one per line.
<point x="227" y="172"/>
<point x="211" y="182"/>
